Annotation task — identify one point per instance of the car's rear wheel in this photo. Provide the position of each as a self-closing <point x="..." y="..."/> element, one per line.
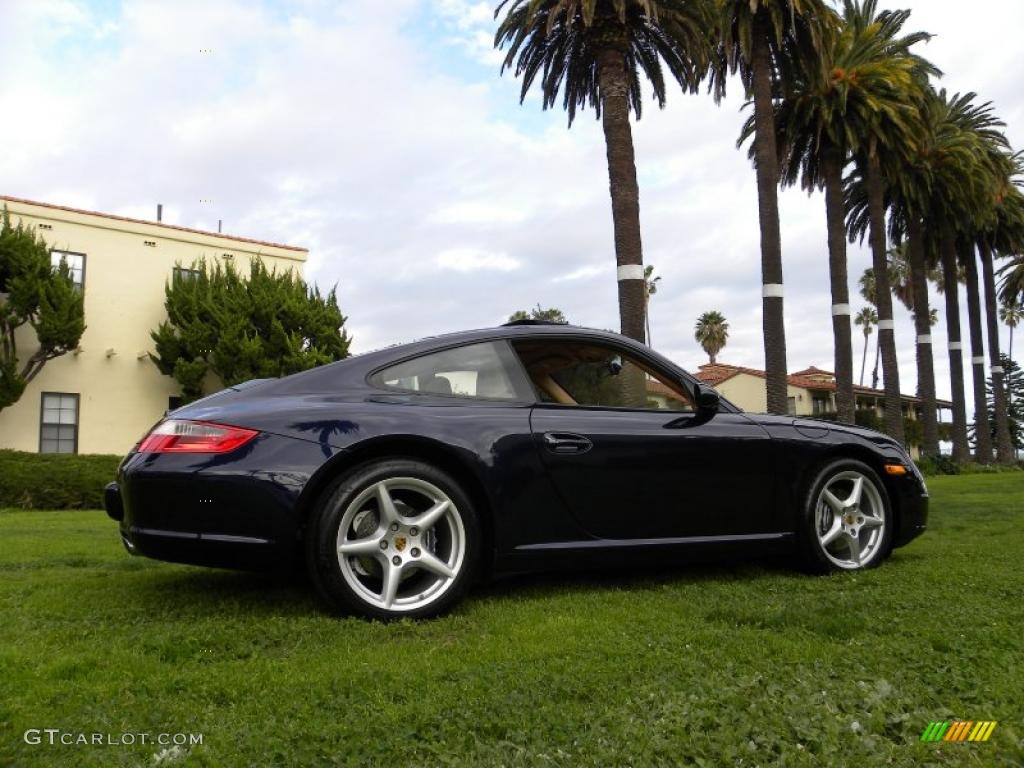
<point x="847" y="519"/>
<point x="394" y="538"/>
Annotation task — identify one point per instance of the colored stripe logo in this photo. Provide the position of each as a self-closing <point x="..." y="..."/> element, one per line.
<point x="959" y="730"/>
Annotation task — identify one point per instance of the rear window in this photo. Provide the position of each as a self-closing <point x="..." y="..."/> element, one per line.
<point x="474" y="371"/>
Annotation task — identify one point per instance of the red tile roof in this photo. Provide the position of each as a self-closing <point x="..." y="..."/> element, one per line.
<point x="809" y="378"/>
<point x="152" y="223"/>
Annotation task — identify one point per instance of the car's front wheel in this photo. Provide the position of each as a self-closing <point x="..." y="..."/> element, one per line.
<point x="395" y="538"/>
<point x="847" y="519"/>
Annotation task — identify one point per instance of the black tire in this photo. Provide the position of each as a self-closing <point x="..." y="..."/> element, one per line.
<point x="345" y="582"/>
<point x="819" y="558"/>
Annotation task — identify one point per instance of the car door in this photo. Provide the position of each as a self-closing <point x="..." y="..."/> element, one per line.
<point x="647" y="466"/>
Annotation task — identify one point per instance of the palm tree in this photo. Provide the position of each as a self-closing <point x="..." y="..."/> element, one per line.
<point x="900" y="274"/>
<point x="1004" y="234"/>
<point x="1011" y="314"/>
<point x="764" y="40"/>
<point x="983" y="429"/>
<point x="1012" y="281"/>
<point x="867" y="292"/>
<point x="547" y="315"/>
<point x="650" y="288"/>
<point x="820" y="122"/>
<point x="908" y="270"/>
<point x="891" y="134"/>
<point x="968" y="173"/>
<point x="866" y="318"/>
<point x="592" y="52"/>
<point x="941" y="189"/>
<point x="712" y="332"/>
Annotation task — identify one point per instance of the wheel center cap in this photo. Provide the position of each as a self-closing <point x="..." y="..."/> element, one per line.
<point x="850" y="519"/>
<point x="400" y="542"/>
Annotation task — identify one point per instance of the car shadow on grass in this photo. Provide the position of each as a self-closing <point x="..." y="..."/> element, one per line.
<point x="204" y="591"/>
<point x="639" y="576"/>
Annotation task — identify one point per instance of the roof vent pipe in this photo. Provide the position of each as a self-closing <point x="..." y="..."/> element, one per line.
<point x="159" y="211"/>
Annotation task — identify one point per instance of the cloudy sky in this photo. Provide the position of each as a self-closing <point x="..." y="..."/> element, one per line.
<point x="379" y="134"/>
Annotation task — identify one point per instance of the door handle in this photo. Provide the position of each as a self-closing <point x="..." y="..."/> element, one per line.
<point x="566" y="442"/>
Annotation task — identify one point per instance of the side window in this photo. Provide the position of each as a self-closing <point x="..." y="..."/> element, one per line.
<point x="574" y="373"/>
<point x="477" y="370"/>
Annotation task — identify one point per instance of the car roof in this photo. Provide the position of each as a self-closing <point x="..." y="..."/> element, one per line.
<point x="352" y="371"/>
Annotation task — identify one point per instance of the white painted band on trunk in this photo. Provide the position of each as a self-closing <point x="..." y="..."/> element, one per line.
<point x="771" y="291"/>
<point x="841" y="309"/>
<point x="955" y="346"/>
<point x="631" y="272"/>
<point x="997" y="369"/>
<point x="924" y="339"/>
<point x="886" y="325"/>
<point x="978" y="360"/>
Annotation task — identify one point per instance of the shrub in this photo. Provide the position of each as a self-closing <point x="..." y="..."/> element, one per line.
<point x="54" y="481"/>
<point x="945" y="465"/>
<point x="938" y="465"/>
<point x="971" y="468"/>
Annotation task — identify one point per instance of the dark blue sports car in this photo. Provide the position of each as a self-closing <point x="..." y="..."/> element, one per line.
<point x="401" y="477"/>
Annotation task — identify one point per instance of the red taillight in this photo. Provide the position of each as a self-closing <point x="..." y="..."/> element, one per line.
<point x="179" y="436"/>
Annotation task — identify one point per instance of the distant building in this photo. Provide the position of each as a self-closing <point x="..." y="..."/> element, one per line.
<point x="811" y="392"/>
<point x="105" y="395"/>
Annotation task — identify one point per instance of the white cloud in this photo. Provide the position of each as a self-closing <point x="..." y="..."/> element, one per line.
<point x="478" y="212"/>
<point x="474" y="260"/>
<point x="584" y="273"/>
<point x="388" y="144"/>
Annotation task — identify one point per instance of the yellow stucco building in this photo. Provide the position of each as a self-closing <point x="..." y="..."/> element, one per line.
<point x="810" y="392"/>
<point x="105" y="395"/>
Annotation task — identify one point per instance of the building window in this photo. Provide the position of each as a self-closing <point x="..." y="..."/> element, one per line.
<point x="58" y="427"/>
<point x="75" y="262"/>
<point x="181" y="273"/>
<point x="820" y="405"/>
<point x="791" y="406"/>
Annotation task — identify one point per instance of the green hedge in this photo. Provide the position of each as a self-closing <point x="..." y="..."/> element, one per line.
<point x="945" y="465"/>
<point x="54" y="481"/>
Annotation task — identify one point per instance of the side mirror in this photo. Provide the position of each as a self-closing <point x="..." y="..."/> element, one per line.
<point x="707" y="399"/>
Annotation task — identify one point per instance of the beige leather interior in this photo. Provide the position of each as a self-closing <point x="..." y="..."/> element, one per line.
<point x="553" y="390"/>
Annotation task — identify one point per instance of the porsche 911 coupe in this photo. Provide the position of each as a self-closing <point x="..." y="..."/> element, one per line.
<point x="401" y="477"/>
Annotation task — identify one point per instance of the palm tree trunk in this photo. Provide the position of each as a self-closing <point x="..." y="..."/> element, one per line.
<point x="767" y="166"/>
<point x="951" y="290"/>
<point x="647" y="317"/>
<point x="923" y="327"/>
<point x="982" y="428"/>
<point x="835" y="214"/>
<point x="1004" y="444"/>
<point x="864" y="359"/>
<point x="883" y="300"/>
<point x="625" y="192"/>
<point x="878" y="358"/>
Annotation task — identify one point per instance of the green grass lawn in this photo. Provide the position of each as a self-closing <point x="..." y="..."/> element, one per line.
<point x="742" y="665"/>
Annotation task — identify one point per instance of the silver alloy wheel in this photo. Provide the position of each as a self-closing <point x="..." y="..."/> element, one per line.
<point x="412" y="554"/>
<point x="850" y="519"/>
